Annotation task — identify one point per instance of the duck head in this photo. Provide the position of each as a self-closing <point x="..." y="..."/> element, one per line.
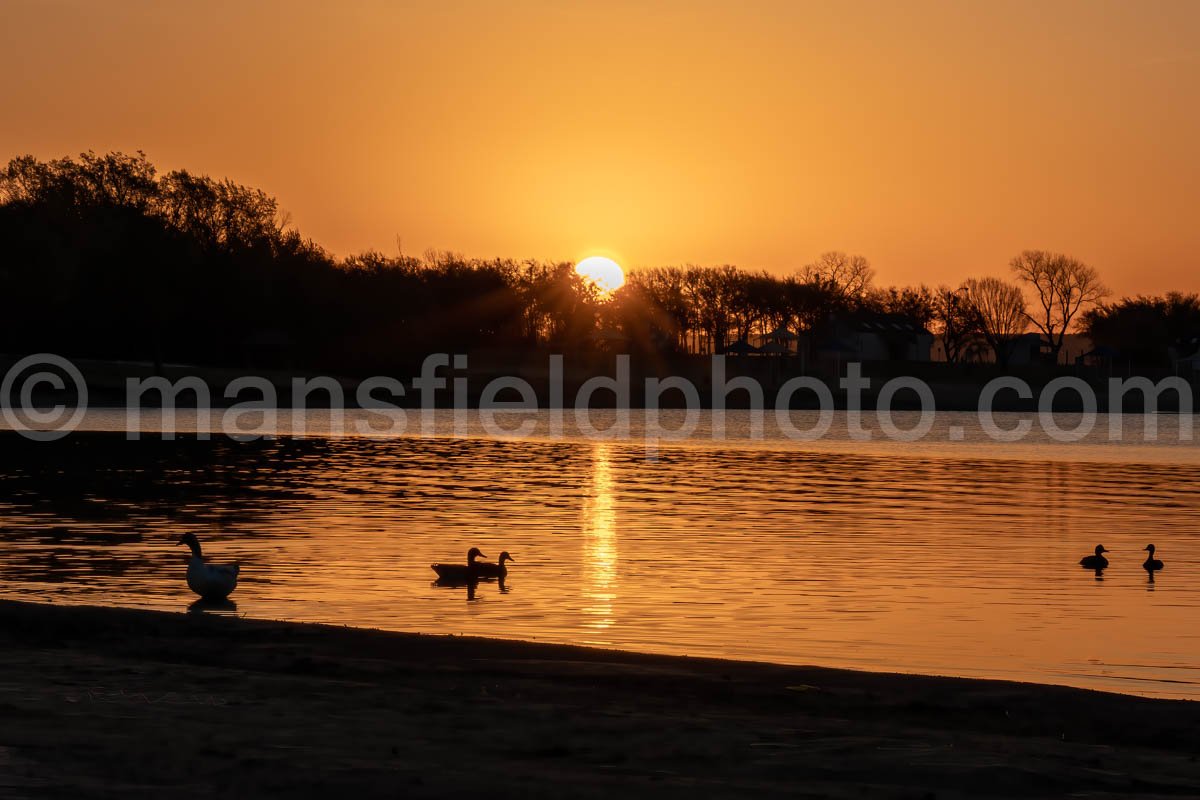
<point x="1150" y="548"/>
<point x="506" y="557"/>
<point x="1100" y="549"/>
<point x="473" y="554"/>
<point x="192" y="542"/>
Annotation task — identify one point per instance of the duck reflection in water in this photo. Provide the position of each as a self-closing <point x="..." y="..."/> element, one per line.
<point x="212" y="606"/>
<point x="471" y="585"/>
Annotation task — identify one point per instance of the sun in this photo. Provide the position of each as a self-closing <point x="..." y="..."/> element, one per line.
<point x="603" y="273"/>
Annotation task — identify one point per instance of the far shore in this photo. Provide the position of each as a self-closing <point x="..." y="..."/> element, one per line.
<point x="952" y="387"/>
<point x="101" y="702"/>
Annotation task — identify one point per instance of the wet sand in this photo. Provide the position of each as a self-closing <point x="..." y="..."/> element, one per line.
<point x="121" y="703"/>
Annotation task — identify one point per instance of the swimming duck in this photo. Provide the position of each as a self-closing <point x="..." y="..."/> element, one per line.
<point x="460" y="573"/>
<point x="210" y="581"/>
<point x="497" y="570"/>
<point x="1151" y="563"/>
<point x="1097" y="561"/>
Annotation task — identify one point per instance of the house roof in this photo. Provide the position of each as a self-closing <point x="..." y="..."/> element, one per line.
<point x="867" y="322"/>
<point x="781" y="333"/>
<point x="740" y="346"/>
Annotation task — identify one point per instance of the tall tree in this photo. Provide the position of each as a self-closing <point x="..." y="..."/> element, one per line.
<point x="956" y="320"/>
<point x="847" y="277"/>
<point x="1001" y="314"/>
<point x="1062" y="286"/>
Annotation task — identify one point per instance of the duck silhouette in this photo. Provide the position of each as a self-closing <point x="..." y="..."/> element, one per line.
<point x="1151" y="564"/>
<point x="212" y="582"/>
<point x="497" y="570"/>
<point x="460" y="573"/>
<point x="1097" y="561"/>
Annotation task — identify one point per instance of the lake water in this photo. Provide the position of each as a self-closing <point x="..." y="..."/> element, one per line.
<point x="955" y="555"/>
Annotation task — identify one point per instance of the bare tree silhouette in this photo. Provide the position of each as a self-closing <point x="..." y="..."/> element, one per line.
<point x="1000" y="308"/>
<point x="840" y="274"/>
<point x="1062" y="286"/>
<point x="957" y="320"/>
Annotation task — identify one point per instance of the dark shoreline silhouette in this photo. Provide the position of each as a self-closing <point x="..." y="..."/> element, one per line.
<point x="181" y="268"/>
<point x="951" y="387"/>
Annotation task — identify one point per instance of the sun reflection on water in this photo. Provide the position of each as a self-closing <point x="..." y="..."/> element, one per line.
<point x="600" y="544"/>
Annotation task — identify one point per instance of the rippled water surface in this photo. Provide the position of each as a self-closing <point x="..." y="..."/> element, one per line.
<point x="953" y="560"/>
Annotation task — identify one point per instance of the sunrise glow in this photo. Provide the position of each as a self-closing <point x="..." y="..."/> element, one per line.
<point x="603" y="273"/>
<point x="634" y="399"/>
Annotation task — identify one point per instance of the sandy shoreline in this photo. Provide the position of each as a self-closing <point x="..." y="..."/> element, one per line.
<point x="105" y="703"/>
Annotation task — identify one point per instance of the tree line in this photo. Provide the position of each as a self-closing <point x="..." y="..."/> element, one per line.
<point x="106" y="257"/>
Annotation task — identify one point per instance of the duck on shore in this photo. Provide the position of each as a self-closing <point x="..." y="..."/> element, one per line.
<point x="1151" y="564"/>
<point x="1097" y="561"/>
<point x="460" y="573"/>
<point x="210" y="581"/>
<point x="497" y="570"/>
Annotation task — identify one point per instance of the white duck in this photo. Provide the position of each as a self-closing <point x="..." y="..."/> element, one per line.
<point x="210" y="581"/>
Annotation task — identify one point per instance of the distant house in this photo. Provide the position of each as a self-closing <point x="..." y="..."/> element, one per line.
<point x="879" y="337"/>
<point x="740" y="347"/>
<point x="779" y="342"/>
<point x="1074" y="346"/>
<point x="1032" y="348"/>
<point x="1028" y="348"/>
<point x="1099" y="357"/>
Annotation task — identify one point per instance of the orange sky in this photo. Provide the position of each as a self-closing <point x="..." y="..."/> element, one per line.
<point x="936" y="138"/>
